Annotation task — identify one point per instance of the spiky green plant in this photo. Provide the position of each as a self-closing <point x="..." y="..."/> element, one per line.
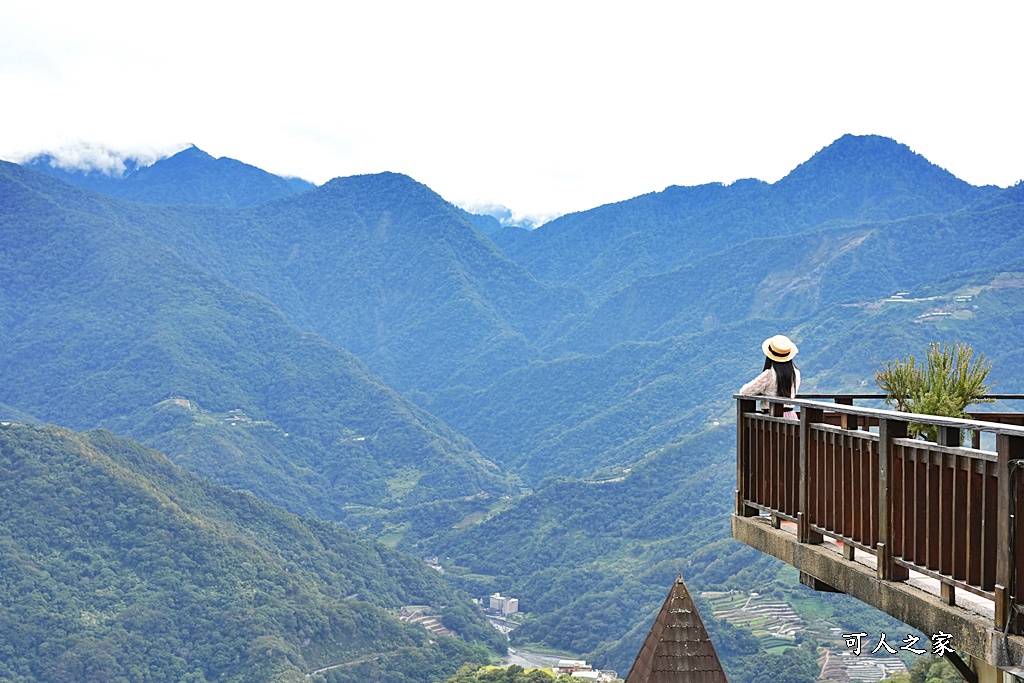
<point x="947" y="382"/>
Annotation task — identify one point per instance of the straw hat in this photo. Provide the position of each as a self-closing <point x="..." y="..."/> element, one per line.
<point x="779" y="348"/>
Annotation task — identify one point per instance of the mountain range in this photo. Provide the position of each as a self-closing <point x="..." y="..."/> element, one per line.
<point x="368" y="353"/>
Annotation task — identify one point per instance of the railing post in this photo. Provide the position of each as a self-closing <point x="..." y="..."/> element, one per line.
<point x="1007" y="448"/>
<point x="743" y="407"/>
<point x="949" y="436"/>
<point x="808" y="416"/>
<point x="888" y="430"/>
<point x="846" y="421"/>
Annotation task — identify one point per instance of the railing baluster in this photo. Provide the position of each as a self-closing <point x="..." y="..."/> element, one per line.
<point x="974" y="512"/>
<point x="989" y="526"/>
<point x="933" y="465"/>
<point x="846" y="455"/>
<point x="961" y="503"/>
<point x="945" y="538"/>
<point x="743" y="460"/>
<point x="830" y="478"/>
<point x="856" y="470"/>
<point x="873" y="508"/>
<point x="1008" y="448"/>
<point x="1018" y="534"/>
<point x="808" y="476"/>
<point x="889" y="499"/>
<point x="926" y="506"/>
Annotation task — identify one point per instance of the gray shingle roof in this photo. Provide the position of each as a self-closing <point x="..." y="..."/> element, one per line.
<point x="678" y="648"/>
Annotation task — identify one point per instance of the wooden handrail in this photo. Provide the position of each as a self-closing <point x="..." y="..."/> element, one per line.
<point x="882" y="397"/>
<point x="940" y="509"/>
<point x="877" y="413"/>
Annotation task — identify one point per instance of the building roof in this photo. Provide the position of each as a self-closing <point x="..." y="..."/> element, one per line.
<point x="678" y="648"/>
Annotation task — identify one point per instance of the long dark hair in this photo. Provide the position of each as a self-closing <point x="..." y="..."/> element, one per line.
<point x="785" y="376"/>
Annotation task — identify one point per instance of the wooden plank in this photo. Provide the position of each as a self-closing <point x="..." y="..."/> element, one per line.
<point x="947" y="593"/>
<point x="757" y="431"/>
<point x="1018" y="557"/>
<point x="808" y="445"/>
<point x="990" y="523"/>
<point x="888" y="487"/>
<point x="771" y="456"/>
<point x="946" y="540"/>
<point x="1009" y="449"/>
<point x="793" y="474"/>
<point x="957" y="423"/>
<point x="934" y="498"/>
<point x="744" y="407"/>
<point x="974" y="530"/>
<point x="919" y="510"/>
<point x="938" y="533"/>
<point x="961" y="501"/>
<point x="872" y="538"/>
<point x="860" y="508"/>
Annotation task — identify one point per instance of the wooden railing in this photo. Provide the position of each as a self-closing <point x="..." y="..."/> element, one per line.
<point x="951" y="512"/>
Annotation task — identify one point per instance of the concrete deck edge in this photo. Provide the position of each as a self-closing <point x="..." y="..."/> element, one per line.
<point x="972" y="634"/>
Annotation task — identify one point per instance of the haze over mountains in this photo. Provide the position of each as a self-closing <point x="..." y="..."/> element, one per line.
<point x="366" y="352"/>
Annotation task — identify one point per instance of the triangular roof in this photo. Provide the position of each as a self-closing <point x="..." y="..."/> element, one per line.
<point x="678" y="648"/>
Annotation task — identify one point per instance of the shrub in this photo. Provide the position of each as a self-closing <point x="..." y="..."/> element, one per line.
<point x="947" y="382"/>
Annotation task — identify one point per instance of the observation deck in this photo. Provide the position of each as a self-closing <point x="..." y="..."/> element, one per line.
<point x="930" y="533"/>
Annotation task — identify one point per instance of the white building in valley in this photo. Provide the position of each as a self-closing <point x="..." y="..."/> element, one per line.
<point x="505" y="605"/>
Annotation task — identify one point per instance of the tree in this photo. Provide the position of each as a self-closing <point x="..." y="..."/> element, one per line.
<point x="928" y="670"/>
<point x="947" y="382"/>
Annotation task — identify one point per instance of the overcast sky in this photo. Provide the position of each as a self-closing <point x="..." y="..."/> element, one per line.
<point x="544" y="107"/>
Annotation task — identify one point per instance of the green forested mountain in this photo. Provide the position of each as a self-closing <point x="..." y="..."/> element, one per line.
<point x="380" y="265"/>
<point x="661" y="356"/>
<point x="101" y="325"/>
<point x="798" y="276"/>
<point x="189" y="177"/>
<point x="117" y="565"/>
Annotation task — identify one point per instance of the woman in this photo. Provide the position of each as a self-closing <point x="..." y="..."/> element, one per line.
<point x="780" y="376"/>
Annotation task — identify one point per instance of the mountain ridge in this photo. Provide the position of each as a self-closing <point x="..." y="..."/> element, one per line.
<point x="190" y="176"/>
<point x="101" y="324"/>
<point x="661" y="231"/>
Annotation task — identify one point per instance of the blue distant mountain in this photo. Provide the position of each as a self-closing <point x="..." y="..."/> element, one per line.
<point x="856" y="178"/>
<point x="189" y="177"/>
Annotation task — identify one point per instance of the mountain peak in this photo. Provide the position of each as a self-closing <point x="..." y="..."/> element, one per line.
<point x="381" y="178"/>
<point x="191" y="153"/>
<point x="872" y="177"/>
<point x="362" y="187"/>
<point x="871" y="155"/>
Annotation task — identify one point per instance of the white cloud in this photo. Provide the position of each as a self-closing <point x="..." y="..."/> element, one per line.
<point x="542" y="107"/>
<point x="84" y="156"/>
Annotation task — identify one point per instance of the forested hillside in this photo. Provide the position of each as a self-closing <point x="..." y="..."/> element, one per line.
<point x="117" y="565"/>
<point x="103" y="326"/>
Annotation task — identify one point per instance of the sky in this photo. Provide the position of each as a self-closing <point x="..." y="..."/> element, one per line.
<point x="542" y="107"/>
